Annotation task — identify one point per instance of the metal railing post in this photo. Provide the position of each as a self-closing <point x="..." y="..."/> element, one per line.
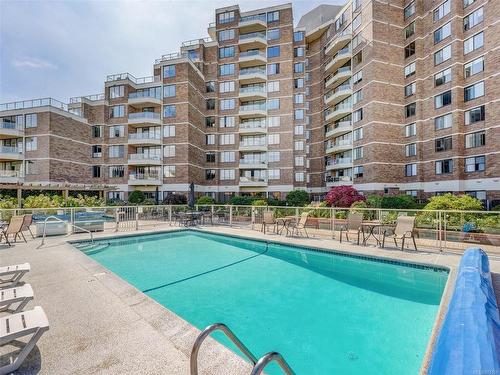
<point x="253" y="216"/>
<point x="136" y="218"/>
<point x="117" y="220"/>
<point x="231" y="215"/>
<point x="332" y="221"/>
<point x="170" y="214"/>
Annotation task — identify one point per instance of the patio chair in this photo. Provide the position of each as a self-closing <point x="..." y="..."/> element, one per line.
<point x="15" y="228"/>
<point x="18" y="295"/>
<point x="268" y="219"/>
<point x="13" y="327"/>
<point x="405" y="226"/>
<point x="353" y="225"/>
<point x="208" y="216"/>
<point x="298" y="227"/>
<point x="28" y="220"/>
<point x="13" y="274"/>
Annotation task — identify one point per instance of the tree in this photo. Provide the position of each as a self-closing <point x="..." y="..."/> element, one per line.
<point x="297" y="198"/>
<point x="175" y="199"/>
<point x="205" y="199"/>
<point x="343" y="196"/>
<point x="463" y="202"/>
<point x="136" y="197"/>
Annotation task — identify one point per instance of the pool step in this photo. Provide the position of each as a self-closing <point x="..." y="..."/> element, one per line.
<point x="93" y="248"/>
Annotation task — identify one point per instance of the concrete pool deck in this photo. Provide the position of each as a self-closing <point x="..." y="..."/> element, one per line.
<point x="101" y="324"/>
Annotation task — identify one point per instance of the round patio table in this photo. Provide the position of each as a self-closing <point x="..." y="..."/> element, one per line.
<point x="370" y="226"/>
<point x="284" y="222"/>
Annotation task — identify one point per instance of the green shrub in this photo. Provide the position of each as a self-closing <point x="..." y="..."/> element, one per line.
<point x="275" y="202"/>
<point x="463" y="202"/>
<point x="297" y="198"/>
<point x="205" y="199"/>
<point x="7" y="202"/>
<point x="241" y="200"/>
<point x="401" y="201"/>
<point x="259" y="202"/>
<point x="136" y="197"/>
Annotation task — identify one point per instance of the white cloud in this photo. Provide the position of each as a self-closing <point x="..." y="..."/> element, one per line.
<point x="33" y="63"/>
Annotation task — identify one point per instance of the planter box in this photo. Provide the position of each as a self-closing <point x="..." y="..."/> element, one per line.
<point x="53" y="228"/>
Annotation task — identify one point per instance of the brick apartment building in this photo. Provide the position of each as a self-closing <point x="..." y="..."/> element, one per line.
<point x="389" y="96"/>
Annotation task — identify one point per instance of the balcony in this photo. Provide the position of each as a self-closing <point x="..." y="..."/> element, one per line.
<point x="338" y="112"/>
<point x="251" y="58"/>
<point x="253" y="127"/>
<point x="141" y="99"/>
<point x="340" y="163"/>
<point x="140" y="139"/>
<point x="336" y="96"/>
<point x="252" y="75"/>
<point x="339" y="146"/>
<point x="11" y="153"/>
<point x="143" y="118"/>
<point x="10" y="130"/>
<point x="144" y="179"/>
<point x="252" y="110"/>
<point x="252" y="23"/>
<point x="253" y="181"/>
<point x="253" y="40"/>
<point x="337" y="43"/>
<point x="253" y="146"/>
<point x="252" y="163"/>
<point x="10" y="177"/>
<point x="254" y="92"/>
<point x="338" y="181"/>
<point x="338" y="129"/>
<point x="144" y="159"/>
<point x="342" y="56"/>
<point x="340" y="76"/>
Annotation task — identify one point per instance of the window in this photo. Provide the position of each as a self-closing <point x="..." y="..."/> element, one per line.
<point x="298" y="83"/>
<point x="357" y="96"/>
<point x="299" y="161"/>
<point x="442" y="33"/>
<point x="298" y="145"/>
<point x="410" y="109"/>
<point x="442" y="77"/>
<point x="226" y="35"/>
<point x="210" y="104"/>
<point x="273" y="156"/>
<point x="298" y="52"/>
<point x="227" y="104"/>
<point x="356" y="22"/>
<point x="473" y="19"/>
<point x="168" y="91"/>
<point x="356" y="40"/>
<point x="298" y="130"/>
<point x="298" y="36"/>
<point x="227" y="174"/>
<point x="274" y="139"/>
<point x="475" y="164"/>
<point x="226" y="69"/>
<point x="168" y="71"/>
<point x="298" y="98"/>
<point x="273" y="174"/>
<point x="410" y="170"/>
<point x="169" y="110"/>
<point x="273" y="51"/>
<point x="357" y="153"/>
<point x="116" y="151"/>
<point x="116" y="171"/>
<point x="226" y="122"/>
<point x="357" y="115"/>
<point x="168" y="171"/>
<point x="409" y="10"/>
<point x="357" y="58"/>
<point x="31" y="120"/>
<point x="169" y="131"/>
<point x="409" y="50"/>
<point x="474" y="115"/>
<point x="298" y="67"/>
<point x="227" y="157"/>
<point x="226" y="17"/>
<point x="96" y="171"/>
<point x="474" y="67"/>
<point x="468" y="2"/>
<point x="355" y="5"/>
<point x="31" y="143"/>
<point x="273" y="16"/>
<point x="442" y="99"/>
<point x="474" y="91"/>
<point x="441" y="10"/>
<point x="116" y="111"/>
<point x="443" y="122"/>
<point x="210" y="139"/>
<point x="410" y="130"/>
<point x="410" y="30"/>
<point x="97" y="131"/>
<point x="226" y="139"/>
<point x="273" y="69"/>
<point x="410" y="89"/>
<point x="210" y="121"/>
<point x="226" y="52"/>
<point x="357" y="77"/>
<point x="273" y="103"/>
<point x="273" y="34"/>
<point x="476" y="139"/>
<point x="116" y="131"/>
<point x="410" y="69"/>
<point x="210" y="86"/>
<point x="473" y="43"/>
<point x="273" y="86"/>
<point x="411" y="149"/>
<point x="358" y="171"/>
<point x="443" y="144"/>
<point x="442" y="55"/>
<point x="299" y="176"/>
<point x="210" y="157"/>
<point x="169" y="151"/>
<point x="210" y="174"/>
<point x="444" y="166"/>
<point x="116" y="92"/>
<point x="273" y="121"/>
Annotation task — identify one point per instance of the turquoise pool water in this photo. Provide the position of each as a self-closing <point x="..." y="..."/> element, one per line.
<point x="325" y="313"/>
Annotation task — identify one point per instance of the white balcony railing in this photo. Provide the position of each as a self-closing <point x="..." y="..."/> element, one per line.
<point x="10" y="150"/>
<point x="144" y="115"/>
<point x="144" y="136"/>
<point x="141" y="157"/>
<point x="10" y="174"/>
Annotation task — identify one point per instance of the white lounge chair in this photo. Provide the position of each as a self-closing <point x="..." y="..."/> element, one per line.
<point x="13" y="327"/>
<point x="13" y="274"/>
<point x="18" y="295"/>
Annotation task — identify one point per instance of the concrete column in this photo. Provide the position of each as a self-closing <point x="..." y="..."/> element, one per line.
<point x="19" y="196"/>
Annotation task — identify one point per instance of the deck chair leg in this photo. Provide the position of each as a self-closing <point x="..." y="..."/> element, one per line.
<point x="21" y="306"/>
<point x="340" y="235"/>
<point x="24" y="238"/>
<point x="305" y="231"/>
<point x="22" y="354"/>
<point x="414" y="242"/>
<point x="403" y="244"/>
<point x="358" y="237"/>
<point x="395" y="242"/>
<point x="383" y="240"/>
<point x="32" y="236"/>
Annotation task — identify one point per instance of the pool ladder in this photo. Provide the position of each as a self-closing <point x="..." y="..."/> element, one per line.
<point x="258" y="364"/>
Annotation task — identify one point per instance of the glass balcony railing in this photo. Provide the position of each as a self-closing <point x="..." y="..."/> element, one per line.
<point x="10" y="125"/>
<point x="253" y="144"/>
<point x="256" y="34"/>
<point x="339" y="161"/>
<point x="252" y="161"/>
<point x="144" y="176"/>
<point x="144" y="115"/>
<point x="253" y="125"/>
<point x="144" y="136"/>
<point x="343" y="87"/>
<point x="248" y="71"/>
<point x="10" y="150"/>
<point x="138" y="157"/>
<point x="130" y="77"/>
<point x="338" y="179"/>
<point x="252" y="53"/>
<point x="253" y="89"/>
<point x="33" y="104"/>
<point x="257" y="17"/>
<point x="253" y="179"/>
<point x="10" y="174"/>
<point x="144" y="94"/>
<point x="342" y="142"/>
<point x="253" y="107"/>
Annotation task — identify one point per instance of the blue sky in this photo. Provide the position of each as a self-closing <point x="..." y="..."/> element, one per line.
<point x="66" y="48"/>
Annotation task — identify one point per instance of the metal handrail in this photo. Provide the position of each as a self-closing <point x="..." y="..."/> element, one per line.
<point x="62" y="221"/>
<point x="268" y="358"/>
<point x="193" y="361"/>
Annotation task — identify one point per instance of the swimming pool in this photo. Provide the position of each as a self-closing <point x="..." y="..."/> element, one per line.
<point x="324" y="312"/>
